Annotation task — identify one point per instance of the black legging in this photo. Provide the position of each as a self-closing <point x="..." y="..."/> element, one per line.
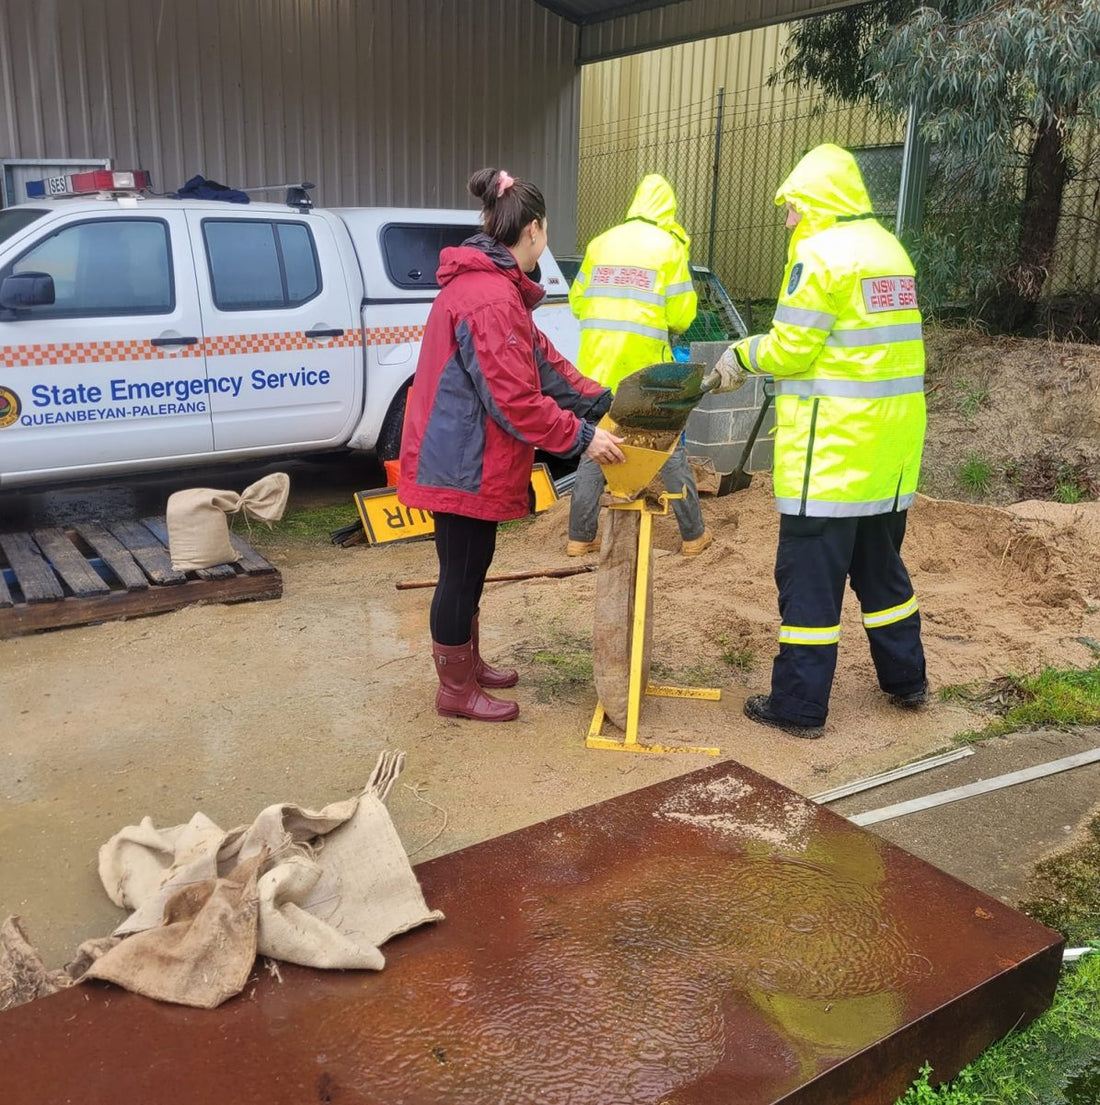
<point x="465" y="548"/>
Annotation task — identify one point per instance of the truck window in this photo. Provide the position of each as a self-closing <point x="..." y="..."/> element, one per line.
<point x="259" y="265"/>
<point x="15" y="218"/>
<point x="410" y="251"/>
<point x="103" y="267"/>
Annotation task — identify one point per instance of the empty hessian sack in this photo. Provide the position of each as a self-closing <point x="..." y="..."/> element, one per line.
<point x="198" y="526"/>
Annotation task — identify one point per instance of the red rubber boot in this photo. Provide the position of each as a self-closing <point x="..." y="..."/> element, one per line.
<point x="459" y="694"/>
<point x="488" y="676"/>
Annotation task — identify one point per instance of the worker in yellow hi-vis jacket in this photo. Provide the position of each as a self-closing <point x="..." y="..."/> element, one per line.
<point x="847" y="354"/>
<point x="633" y="287"/>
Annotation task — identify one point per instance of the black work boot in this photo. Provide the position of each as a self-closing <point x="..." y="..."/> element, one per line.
<point x="911" y="700"/>
<point x="758" y="708"/>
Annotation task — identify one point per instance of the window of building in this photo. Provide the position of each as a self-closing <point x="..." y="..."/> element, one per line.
<point x="257" y="265"/>
<point x="103" y="267"/>
<point x="411" y="251"/>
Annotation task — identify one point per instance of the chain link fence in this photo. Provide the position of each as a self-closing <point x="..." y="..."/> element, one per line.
<point x="725" y="157"/>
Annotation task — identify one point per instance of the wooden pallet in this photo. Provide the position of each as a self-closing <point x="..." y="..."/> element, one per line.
<point x="97" y="572"/>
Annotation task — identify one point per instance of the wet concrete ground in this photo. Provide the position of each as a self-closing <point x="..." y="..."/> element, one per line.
<point x="226" y="709"/>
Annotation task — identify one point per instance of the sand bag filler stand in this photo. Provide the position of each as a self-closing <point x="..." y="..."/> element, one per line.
<point x="649" y="412"/>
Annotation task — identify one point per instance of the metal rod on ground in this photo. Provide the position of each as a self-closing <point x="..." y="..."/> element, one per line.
<point x="890" y="776"/>
<point x="543" y="573"/>
<point x="983" y="786"/>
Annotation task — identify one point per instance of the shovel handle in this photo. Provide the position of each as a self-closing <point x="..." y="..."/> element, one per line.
<point x="768" y="395"/>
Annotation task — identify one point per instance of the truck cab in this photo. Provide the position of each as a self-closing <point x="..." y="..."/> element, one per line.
<point x="142" y="334"/>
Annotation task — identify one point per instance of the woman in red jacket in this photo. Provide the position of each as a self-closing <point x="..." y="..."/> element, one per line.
<point x="489" y="389"/>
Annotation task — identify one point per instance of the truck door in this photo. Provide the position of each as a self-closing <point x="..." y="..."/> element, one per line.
<point x="281" y="323"/>
<point x="111" y="375"/>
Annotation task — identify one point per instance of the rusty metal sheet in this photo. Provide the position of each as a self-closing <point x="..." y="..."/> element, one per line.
<point x="714" y="938"/>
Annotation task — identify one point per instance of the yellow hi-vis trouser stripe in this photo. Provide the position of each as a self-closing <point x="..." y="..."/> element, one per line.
<point x="809" y="635"/>
<point x="879" y="618"/>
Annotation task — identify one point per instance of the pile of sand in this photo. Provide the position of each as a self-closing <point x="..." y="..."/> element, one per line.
<point x="1000" y="589"/>
<point x="1027" y="408"/>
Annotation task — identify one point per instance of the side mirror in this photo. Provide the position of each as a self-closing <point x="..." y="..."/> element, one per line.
<point x="27" y="289"/>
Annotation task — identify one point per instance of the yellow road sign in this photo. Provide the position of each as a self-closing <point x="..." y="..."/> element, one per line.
<point x="386" y="519"/>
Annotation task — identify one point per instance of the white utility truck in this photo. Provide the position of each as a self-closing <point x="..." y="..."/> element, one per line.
<point x="142" y="334"/>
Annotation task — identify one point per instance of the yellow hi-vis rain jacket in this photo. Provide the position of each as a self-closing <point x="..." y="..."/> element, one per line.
<point x="633" y="287"/>
<point x="846" y="351"/>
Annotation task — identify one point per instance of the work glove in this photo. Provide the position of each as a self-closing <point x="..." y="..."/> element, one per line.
<point x="729" y="371"/>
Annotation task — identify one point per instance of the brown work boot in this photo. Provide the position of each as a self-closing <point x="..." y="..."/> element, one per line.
<point x="489" y="676"/>
<point x="758" y="708"/>
<point x="582" y="548"/>
<point x="694" y="548"/>
<point x="459" y="694"/>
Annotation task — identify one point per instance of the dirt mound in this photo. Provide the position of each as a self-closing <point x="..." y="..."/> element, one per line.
<point x="1000" y="590"/>
<point x="1022" y="414"/>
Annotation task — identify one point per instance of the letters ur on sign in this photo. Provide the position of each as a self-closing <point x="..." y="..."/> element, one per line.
<point x="889" y="293"/>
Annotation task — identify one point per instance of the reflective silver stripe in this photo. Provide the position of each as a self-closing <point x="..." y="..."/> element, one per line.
<point x="851" y="389"/>
<point x="875" y="335"/>
<point x="620" y="324"/>
<point x="803" y="635"/>
<point x="815" y="509"/>
<point x="753" y="343"/>
<point x="802" y="316"/>
<point x="894" y="614"/>
<point x="598" y="290"/>
<point x="679" y="289"/>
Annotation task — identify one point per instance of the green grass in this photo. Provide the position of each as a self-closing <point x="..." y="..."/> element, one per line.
<point x="561" y="669"/>
<point x="313" y="524"/>
<point x="1056" y="1059"/>
<point x="1066" y="890"/>
<point x="1055" y="697"/>
<point x="1048" y="1063"/>
<point x="975" y="474"/>
<point x="516" y="523"/>
<point x="1067" y="489"/>
<point x="741" y="658"/>
<point x="700" y="674"/>
<point x="970" y="397"/>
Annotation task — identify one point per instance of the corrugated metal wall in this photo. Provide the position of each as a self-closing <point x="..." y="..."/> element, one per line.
<point x="657" y="112"/>
<point x="378" y="103"/>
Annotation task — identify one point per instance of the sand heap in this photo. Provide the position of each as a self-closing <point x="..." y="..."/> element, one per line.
<point x="1000" y="589"/>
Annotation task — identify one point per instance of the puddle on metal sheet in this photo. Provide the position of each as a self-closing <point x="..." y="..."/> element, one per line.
<point x="797" y="951"/>
<point x="620" y="954"/>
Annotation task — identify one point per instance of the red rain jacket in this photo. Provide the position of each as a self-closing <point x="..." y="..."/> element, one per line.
<point x="489" y="389"/>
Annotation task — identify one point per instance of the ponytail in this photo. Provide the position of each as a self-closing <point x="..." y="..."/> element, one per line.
<point x="507" y="204"/>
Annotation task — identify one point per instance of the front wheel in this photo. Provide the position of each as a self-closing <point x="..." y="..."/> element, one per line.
<point x="388" y="446"/>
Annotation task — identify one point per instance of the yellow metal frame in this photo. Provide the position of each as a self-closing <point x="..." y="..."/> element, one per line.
<point x="630" y="742"/>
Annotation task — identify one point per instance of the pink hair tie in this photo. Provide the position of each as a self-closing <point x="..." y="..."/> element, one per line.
<point x="506" y="181"/>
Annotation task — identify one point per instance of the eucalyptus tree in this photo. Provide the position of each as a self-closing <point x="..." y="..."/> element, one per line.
<point x="1003" y="87"/>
